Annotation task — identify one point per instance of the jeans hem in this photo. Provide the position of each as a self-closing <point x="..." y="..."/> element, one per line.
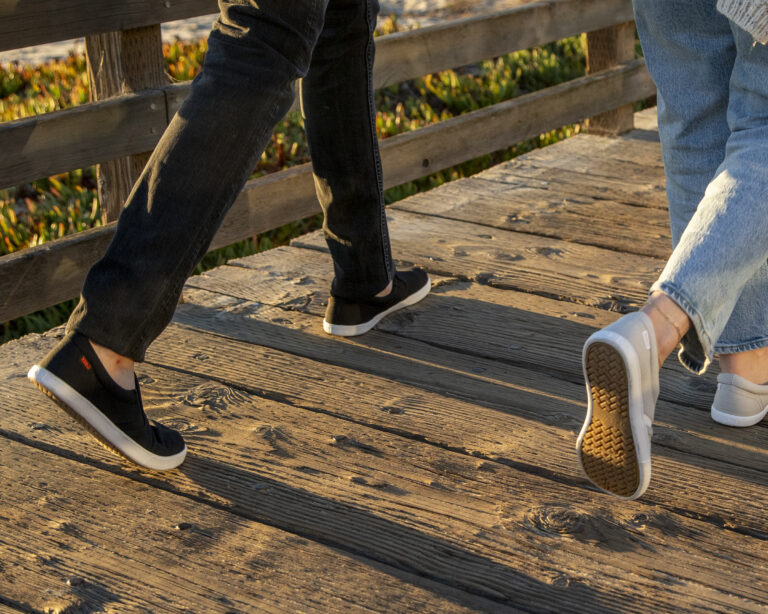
<point x="736" y="348"/>
<point x="697" y="347"/>
<point x="135" y="352"/>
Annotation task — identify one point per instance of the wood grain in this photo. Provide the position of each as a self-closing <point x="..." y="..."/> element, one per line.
<point x="138" y="548"/>
<point x="548" y="267"/>
<point x="25" y="23"/>
<point x="482" y="526"/>
<point x="499" y="384"/>
<point x="537" y="207"/>
<point x="73" y="138"/>
<point x="119" y="63"/>
<point x="607" y="47"/>
<point x="463" y="316"/>
<point x="275" y="200"/>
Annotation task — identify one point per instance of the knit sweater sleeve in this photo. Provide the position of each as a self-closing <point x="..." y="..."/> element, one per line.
<point x="750" y="15"/>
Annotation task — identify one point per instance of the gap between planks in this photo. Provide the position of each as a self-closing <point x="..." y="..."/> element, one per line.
<point x="137" y="548"/>
<point x="489" y="516"/>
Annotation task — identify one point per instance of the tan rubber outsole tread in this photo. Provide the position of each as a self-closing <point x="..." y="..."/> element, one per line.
<point x="608" y="450"/>
<point x="75" y="416"/>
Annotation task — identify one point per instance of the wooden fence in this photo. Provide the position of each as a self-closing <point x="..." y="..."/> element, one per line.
<point x="116" y="131"/>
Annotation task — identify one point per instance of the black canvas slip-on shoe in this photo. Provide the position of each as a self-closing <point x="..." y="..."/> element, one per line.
<point x="72" y="375"/>
<point x="347" y="318"/>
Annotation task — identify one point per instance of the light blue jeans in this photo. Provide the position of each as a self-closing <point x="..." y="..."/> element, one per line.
<point x="712" y="81"/>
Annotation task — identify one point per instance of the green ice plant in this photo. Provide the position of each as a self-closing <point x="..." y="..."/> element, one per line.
<point x="53" y="207"/>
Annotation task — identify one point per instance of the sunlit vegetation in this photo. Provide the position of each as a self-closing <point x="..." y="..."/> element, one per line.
<point x="53" y="207"/>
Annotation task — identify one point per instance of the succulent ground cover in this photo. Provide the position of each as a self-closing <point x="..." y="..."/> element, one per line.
<point x="52" y="207"/>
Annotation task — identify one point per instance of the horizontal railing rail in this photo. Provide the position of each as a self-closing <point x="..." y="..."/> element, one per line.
<point x="63" y="140"/>
<point x="37" y="277"/>
<point x="24" y="23"/>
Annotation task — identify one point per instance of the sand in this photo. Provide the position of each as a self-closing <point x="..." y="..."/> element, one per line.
<point x="409" y="13"/>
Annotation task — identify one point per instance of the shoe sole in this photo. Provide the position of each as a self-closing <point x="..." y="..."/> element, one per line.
<point x="606" y="445"/>
<point x="351" y="330"/>
<point x="727" y="419"/>
<point x="97" y="424"/>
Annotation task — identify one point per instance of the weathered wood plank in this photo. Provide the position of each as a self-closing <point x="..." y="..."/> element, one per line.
<point x="461" y="316"/>
<point x="501" y="385"/>
<point x="137" y="548"/>
<point x="23" y="24"/>
<point x="638" y="193"/>
<point x="400" y="56"/>
<point x="479" y="525"/>
<point x="479" y="132"/>
<point x="53" y="271"/>
<point x="607" y="47"/>
<point x="626" y="169"/>
<point x="73" y="138"/>
<point x="536" y="207"/>
<point x="45" y="21"/>
<point x="284" y="197"/>
<point x="407" y="55"/>
<point x="632" y="160"/>
<point x="541" y="265"/>
<point x="123" y="62"/>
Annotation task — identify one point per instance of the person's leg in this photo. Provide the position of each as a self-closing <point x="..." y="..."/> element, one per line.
<point x="689" y="50"/>
<point x="339" y="116"/>
<point x="340" y="119"/>
<point x="694" y="130"/>
<point x="718" y="254"/>
<point x="257" y="50"/>
<point x="727" y="293"/>
<point x="718" y="272"/>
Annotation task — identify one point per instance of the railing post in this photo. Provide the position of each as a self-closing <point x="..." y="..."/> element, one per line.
<point x="605" y="49"/>
<point x="120" y="63"/>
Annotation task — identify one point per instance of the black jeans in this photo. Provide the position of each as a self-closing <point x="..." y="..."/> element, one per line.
<point x="257" y="50"/>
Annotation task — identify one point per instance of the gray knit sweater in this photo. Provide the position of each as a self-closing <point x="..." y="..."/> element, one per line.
<point x="750" y="15"/>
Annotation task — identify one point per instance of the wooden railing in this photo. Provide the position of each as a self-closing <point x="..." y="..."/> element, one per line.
<point x="126" y="126"/>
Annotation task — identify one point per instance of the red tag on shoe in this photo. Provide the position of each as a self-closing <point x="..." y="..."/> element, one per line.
<point x="85" y="362"/>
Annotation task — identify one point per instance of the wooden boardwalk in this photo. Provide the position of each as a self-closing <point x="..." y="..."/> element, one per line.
<point x="427" y="466"/>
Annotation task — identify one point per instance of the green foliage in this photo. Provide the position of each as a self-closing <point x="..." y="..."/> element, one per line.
<point x="51" y="208"/>
<point x="26" y="91"/>
<point x="55" y="207"/>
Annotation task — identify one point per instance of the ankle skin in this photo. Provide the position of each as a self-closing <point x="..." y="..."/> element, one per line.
<point x="386" y="290"/>
<point x="751" y="365"/>
<point x="670" y="323"/>
<point x="120" y="368"/>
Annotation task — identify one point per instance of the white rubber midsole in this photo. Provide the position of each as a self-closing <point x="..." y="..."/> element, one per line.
<point x="740" y="421"/>
<point x="358" y="329"/>
<point x="103" y="425"/>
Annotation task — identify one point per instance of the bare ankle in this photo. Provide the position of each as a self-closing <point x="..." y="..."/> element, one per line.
<point x="120" y="368"/>
<point x="751" y="365"/>
<point x="385" y="291"/>
<point x="670" y="323"/>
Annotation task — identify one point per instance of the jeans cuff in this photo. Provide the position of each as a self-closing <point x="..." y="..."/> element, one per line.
<point x="135" y="349"/>
<point x="697" y="346"/>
